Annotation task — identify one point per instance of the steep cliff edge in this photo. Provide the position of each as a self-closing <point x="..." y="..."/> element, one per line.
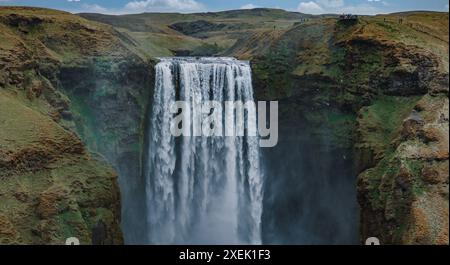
<point x="52" y="185"/>
<point x="404" y="197"/>
<point x="380" y="88"/>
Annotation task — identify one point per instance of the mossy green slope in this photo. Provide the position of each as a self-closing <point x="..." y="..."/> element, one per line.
<point x="379" y="76"/>
<point x="51" y="187"/>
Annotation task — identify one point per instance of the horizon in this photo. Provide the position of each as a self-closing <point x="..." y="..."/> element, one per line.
<point x="317" y="7"/>
<point x="218" y="11"/>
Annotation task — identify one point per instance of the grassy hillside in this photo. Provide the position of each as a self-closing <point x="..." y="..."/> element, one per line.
<point x="58" y="35"/>
<point x="162" y="34"/>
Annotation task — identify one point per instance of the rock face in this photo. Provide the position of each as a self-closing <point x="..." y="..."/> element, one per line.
<point x="404" y="198"/>
<point x="407" y="190"/>
<point x="51" y="185"/>
<point x="402" y="142"/>
<point x="361" y="94"/>
<point x="109" y="102"/>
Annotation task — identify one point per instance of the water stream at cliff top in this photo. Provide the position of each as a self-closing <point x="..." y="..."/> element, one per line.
<point x="201" y="190"/>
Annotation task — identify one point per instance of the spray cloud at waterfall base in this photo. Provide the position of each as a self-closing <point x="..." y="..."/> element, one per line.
<point x="209" y="189"/>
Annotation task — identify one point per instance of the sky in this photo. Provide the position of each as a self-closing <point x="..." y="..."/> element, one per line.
<point x="366" y="7"/>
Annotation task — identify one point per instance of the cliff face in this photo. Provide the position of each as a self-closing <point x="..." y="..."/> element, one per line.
<point x="363" y="109"/>
<point x="62" y="75"/>
<point x="51" y="187"/>
<point x="404" y="197"/>
<point x="110" y="99"/>
<point x="374" y="91"/>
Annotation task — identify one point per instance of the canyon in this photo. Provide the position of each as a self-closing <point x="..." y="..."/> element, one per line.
<point x="363" y="107"/>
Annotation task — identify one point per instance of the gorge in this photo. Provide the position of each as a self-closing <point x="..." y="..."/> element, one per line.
<point x="362" y="150"/>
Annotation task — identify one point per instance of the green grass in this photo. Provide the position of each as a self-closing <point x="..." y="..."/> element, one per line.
<point x="416" y="167"/>
<point x="68" y="222"/>
<point x="385" y="169"/>
<point x="386" y="114"/>
<point x="85" y="120"/>
<point x="381" y="123"/>
<point x="161" y="45"/>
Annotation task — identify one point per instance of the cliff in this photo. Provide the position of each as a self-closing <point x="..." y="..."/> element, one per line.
<point x="53" y="185"/>
<point x="363" y="108"/>
<point x="379" y="88"/>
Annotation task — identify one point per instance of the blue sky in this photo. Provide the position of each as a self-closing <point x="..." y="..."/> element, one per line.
<point x="186" y="6"/>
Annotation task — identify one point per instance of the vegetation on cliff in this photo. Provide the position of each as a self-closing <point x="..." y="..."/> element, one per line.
<point x="363" y="85"/>
<point x="375" y="88"/>
<point x="52" y="187"/>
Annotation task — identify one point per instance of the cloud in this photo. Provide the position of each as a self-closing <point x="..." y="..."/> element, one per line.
<point x="249" y="6"/>
<point x="163" y="6"/>
<point x="140" y="6"/>
<point x="339" y="7"/>
<point x="94" y="8"/>
<point x="310" y="8"/>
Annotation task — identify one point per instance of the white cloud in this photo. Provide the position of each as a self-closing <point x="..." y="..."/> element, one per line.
<point x="339" y="7"/>
<point x="310" y="8"/>
<point x="248" y="6"/>
<point x="94" y="8"/>
<point x="140" y="6"/>
<point x="446" y="7"/>
<point x="164" y="6"/>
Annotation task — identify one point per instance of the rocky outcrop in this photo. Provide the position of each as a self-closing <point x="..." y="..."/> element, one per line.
<point x="404" y="197"/>
<point x="402" y="142"/>
<point x="53" y="186"/>
<point x="384" y="96"/>
<point x="109" y="104"/>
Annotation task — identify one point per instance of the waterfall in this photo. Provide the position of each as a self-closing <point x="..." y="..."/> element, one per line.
<point x="201" y="190"/>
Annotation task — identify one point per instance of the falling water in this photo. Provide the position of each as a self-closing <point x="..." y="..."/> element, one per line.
<point x="201" y="190"/>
